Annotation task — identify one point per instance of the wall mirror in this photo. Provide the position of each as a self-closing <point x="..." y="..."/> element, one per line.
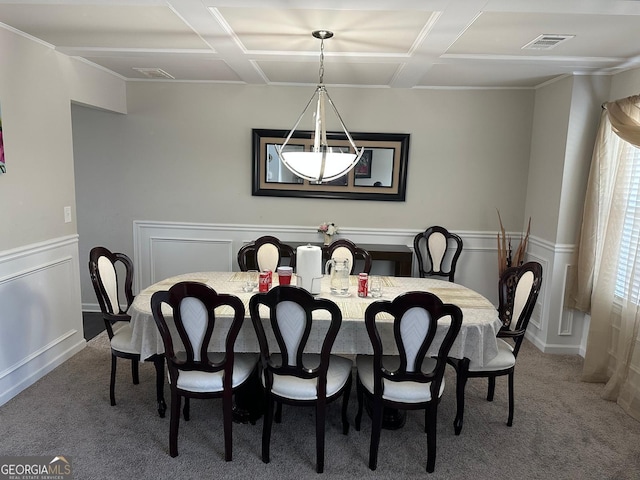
<point x="380" y="174"/>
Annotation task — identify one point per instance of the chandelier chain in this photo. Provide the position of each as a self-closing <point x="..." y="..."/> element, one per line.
<point x="321" y="71"/>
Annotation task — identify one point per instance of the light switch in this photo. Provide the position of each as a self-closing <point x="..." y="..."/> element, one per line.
<point x="67" y="214"/>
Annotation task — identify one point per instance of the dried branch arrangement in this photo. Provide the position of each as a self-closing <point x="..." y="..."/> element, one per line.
<point x="506" y="257"/>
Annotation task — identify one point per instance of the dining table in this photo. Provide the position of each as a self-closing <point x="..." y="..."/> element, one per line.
<point x="476" y="340"/>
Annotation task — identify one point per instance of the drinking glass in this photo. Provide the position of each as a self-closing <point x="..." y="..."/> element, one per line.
<point x="375" y="287"/>
<point x="251" y="281"/>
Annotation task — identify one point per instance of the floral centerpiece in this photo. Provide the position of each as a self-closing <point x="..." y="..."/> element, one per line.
<point x="328" y="229"/>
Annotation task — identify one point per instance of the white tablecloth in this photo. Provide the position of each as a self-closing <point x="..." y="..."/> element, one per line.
<point x="476" y="340"/>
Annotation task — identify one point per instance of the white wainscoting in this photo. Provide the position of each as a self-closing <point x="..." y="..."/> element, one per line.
<point x="164" y="249"/>
<point x="40" y="312"/>
<point x="555" y="328"/>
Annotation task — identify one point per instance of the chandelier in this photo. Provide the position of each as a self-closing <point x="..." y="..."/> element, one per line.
<point x="323" y="163"/>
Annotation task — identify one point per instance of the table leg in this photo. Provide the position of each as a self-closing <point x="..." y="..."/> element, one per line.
<point x="462" y="368"/>
<point x="158" y="362"/>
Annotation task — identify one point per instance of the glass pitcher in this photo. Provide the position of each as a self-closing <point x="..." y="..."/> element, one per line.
<point x="338" y="270"/>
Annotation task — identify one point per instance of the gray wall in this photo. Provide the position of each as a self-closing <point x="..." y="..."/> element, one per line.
<point x="549" y="135"/>
<point x="625" y="84"/>
<point x="183" y="153"/>
<point x="588" y="94"/>
<point x="36" y="121"/>
<point x="36" y="125"/>
<point x="566" y="116"/>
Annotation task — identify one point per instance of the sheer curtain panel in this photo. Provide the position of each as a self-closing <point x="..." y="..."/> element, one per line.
<point x="608" y="271"/>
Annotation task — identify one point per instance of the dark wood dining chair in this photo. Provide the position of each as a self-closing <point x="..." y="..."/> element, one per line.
<point x="518" y="291"/>
<point x="411" y="379"/>
<point x="437" y="252"/>
<point x="265" y="253"/>
<point x="195" y="372"/>
<point x="290" y="375"/>
<point x="344" y="248"/>
<point x="115" y="298"/>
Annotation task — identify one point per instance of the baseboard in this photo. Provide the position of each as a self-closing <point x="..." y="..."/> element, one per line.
<point x="91" y="307"/>
<point x="555" y="349"/>
<point x="26" y="381"/>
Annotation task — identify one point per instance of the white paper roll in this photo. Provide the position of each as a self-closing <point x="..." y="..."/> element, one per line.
<point x="309" y="268"/>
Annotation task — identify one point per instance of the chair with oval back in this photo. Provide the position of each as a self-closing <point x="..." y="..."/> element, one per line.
<point x="518" y="290"/>
<point x="265" y="253"/>
<point x="194" y="371"/>
<point x="104" y="276"/>
<point x="290" y="375"/>
<point x="437" y="251"/>
<point x="344" y="248"/>
<point x="410" y="379"/>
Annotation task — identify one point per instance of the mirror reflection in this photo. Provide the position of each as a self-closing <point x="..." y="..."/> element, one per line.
<point x="380" y="174"/>
<point x="375" y="168"/>
<point x="276" y="170"/>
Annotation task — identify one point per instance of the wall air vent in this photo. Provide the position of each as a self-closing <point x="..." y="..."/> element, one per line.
<point x="547" y="41"/>
<point x="153" y="73"/>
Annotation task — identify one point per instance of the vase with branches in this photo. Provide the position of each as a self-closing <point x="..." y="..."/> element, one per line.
<point x="506" y="257"/>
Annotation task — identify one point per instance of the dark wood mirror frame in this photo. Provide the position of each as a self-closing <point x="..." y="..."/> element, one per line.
<point x="358" y="184"/>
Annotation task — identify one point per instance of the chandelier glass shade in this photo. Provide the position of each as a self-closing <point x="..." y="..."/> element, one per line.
<point x="323" y="163"/>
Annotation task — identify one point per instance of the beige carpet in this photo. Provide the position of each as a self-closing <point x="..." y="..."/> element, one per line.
<point x="562" y="430"/>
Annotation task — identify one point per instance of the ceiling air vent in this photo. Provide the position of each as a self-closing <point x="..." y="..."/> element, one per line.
<point x="546" y="41"/>
<point x="153" y="73"/>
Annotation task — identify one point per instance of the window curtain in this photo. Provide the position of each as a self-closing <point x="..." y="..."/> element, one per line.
<point x="613" y="348"/>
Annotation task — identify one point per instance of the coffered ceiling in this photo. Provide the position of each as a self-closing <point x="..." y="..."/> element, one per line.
<point x="397" y="44"/>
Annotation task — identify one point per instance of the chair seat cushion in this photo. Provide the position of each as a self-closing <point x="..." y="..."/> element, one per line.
<point x="297" y="388"/>
<point x="405" y="391"/>
<point x="203" y="382"/>
<point x="504" y="360"/>
<point x="121" y="340"/>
